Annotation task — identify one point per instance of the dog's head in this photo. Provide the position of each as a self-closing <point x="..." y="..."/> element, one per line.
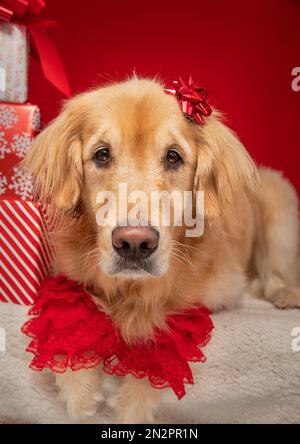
<point x="129" y="141"/>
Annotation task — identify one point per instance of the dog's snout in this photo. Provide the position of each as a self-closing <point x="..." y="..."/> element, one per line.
<point x="135" y="242"/>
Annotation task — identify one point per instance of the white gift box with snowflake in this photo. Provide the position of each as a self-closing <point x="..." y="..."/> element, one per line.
<point x="14" y="54"/>
<point x="26" y="252"/>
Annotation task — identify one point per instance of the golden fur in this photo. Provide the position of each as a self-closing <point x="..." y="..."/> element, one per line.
<point x="251" y="218"/>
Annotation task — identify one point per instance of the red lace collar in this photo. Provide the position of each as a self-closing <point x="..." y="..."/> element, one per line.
<point x="68" y="330"/>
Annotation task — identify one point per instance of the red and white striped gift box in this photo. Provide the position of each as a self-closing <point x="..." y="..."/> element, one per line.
<point x="26" y="252"/>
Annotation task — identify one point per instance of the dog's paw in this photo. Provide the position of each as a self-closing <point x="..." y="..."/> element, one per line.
<point x="136" y="402"/>
<point x="80" y="391"/>
<point x="79" y="405"/>
<point x="287" y="297"/>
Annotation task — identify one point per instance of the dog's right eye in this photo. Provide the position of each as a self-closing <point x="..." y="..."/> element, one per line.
<point x="101" y="157"/>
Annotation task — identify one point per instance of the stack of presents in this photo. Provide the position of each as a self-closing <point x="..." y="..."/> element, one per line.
<point x="26" y="251"/>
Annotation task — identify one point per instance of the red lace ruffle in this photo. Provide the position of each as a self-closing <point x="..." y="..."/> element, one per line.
<point x="70" y="331"/>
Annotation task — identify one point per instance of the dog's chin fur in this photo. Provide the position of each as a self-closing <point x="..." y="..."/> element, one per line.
<point x="132" y="269"/>
<point x="251" y="219"/>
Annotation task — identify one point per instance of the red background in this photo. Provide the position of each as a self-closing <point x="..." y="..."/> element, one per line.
<point x="242" y="52"/>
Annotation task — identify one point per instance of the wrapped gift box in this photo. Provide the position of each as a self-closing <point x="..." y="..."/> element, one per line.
<point x="19" y="26"/>
<point x="14" y="55"/>
<point x="26" y="256"/>
<point x="26" y="251"/>
<point x="18" y="125"/>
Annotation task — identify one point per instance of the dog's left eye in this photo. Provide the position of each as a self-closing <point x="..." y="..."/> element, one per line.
<point x="173" y="159"/>
<point x="101" y="156"/>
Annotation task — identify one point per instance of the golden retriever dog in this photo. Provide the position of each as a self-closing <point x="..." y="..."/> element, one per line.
<point x="133" y="132"/>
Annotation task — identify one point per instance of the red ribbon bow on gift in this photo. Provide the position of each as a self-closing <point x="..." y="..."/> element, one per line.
<point x="192" y="99"/>
<point x="24" y="12"/>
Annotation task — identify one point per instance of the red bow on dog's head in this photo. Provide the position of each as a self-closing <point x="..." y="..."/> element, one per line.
<point x="192" y="99"/>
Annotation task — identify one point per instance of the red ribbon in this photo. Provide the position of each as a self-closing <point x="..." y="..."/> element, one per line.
<point x="24" y="12"/>
<point x="192" y="99"/>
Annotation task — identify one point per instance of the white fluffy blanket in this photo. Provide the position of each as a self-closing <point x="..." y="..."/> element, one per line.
<point x="252" y="374"/>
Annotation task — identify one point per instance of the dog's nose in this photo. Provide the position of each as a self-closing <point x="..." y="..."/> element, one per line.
<point x="135" y="242"/>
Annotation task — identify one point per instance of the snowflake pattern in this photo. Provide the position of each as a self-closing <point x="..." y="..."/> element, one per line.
<point x="21" y="183"/>
<point x="21" y="144"/>
<point x="36" y="120"/>
<point x="3" y="145"/>
<point x="8" y="116"/>
<point x="3" y="183"/>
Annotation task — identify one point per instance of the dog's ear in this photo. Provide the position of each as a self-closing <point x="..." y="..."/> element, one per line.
<point x="225" y="170"/>
<point x="55" y="161"/>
